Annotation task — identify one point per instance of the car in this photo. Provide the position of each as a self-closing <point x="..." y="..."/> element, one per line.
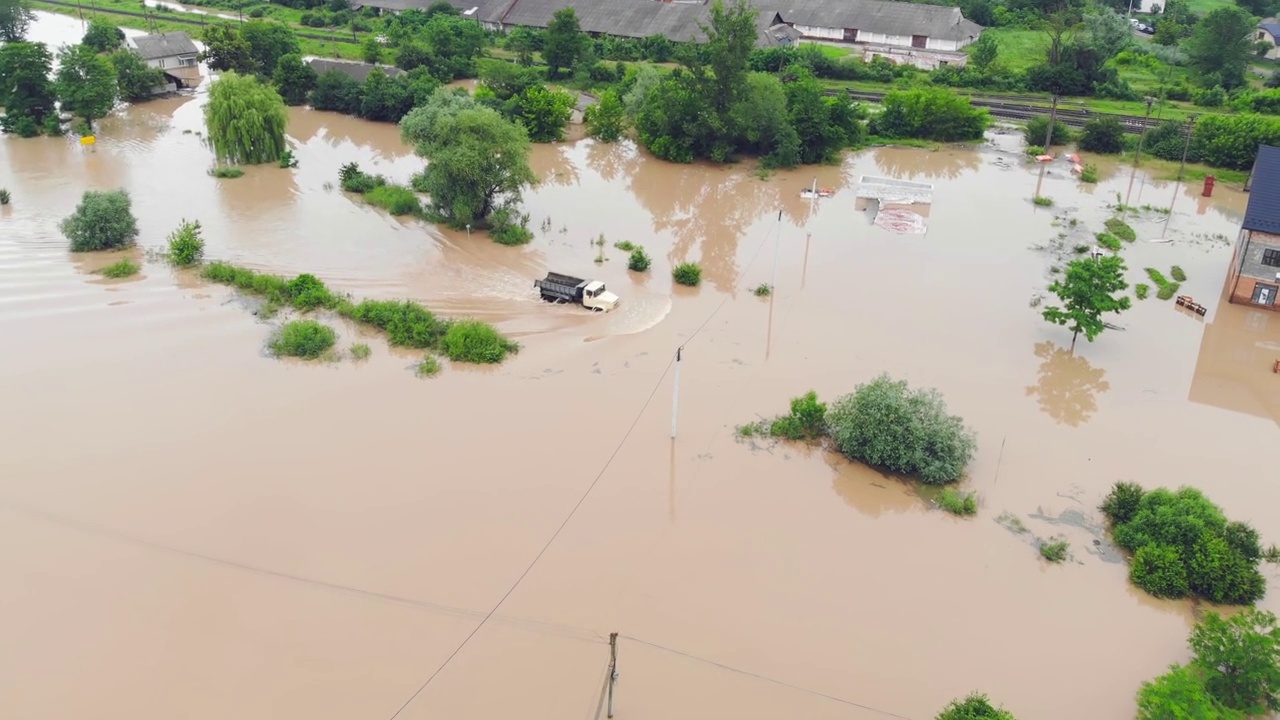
<point x="1146" y="29"/>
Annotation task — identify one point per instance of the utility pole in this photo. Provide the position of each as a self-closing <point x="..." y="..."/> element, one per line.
<point x="1186" y="145"/>
<point x="1048" y="140"/>
<point x="777" y="245"/>
<point x="675" y="394"/>
<point x="613" y="666"/>
<point x="1138" y="155"/>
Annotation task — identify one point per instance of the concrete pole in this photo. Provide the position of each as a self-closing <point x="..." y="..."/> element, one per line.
<point x="777" y="244"/>
<point x="675" y="394"/>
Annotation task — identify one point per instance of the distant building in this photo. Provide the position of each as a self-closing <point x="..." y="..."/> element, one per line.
<point x="1269" y="32"/>
<point x="923" y="35"/>
<point x="1254" y="277"/>
<point x="174" y="54"/>
<point x="353" y="69"/>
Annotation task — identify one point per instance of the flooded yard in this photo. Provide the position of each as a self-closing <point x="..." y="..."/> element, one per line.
<point x="190" y="528"/>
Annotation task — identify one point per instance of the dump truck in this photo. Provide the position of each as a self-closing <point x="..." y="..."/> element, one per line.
<point x="590" y="294"/>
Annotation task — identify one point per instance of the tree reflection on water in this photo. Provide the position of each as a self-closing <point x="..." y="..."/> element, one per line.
<point x="1067" y="385"/>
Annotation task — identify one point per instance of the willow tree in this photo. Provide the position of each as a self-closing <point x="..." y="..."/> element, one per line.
<point x="246" y="120"/>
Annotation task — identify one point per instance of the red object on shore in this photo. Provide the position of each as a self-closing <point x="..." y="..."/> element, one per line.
<point x="1209" y="180"/>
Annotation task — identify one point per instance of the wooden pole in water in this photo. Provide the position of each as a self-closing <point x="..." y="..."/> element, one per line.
<point x="777" y="244"/>
<point x="675" y="395"/>
<point x="1048" y="138"/>
<point x="613" y="665"/>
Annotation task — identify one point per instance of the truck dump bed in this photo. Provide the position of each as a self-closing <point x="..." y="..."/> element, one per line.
<point x="565" y="288"/>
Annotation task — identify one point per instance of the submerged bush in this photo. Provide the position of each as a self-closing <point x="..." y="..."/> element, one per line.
<point x="1184" y="545"/>
<point x="429" y="367"/>
<point x="807" y="420"/>
<point x="475" y="342"/>
<point x="1038" y="127"/>
<point x="5" y="197"/>
<point x="227" y="172"/>
<point x="1055" y="551"/>
<point x="360" y="351"/>
<point x="305" y="339"/>
<point x="974" y="707"/>
<point x="1108" y="241"/>
<point x="394" y="199"/>
<point x="886" y="424"/>
<point x="689" y="274"/>
<point x="958" y="503"/>
<point x="122" y="269"/>
<point x="186" y="247"/>
<point x="406" y="323"/>
<point x="102" y="221"/>
<point x="1121" y="229"/>
<point x="639" y="260"/>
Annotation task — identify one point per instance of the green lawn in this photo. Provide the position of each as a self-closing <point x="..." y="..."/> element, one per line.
<point x="831" y="51"/>
<point x="1204" y="6"/>
<point x="1019" y="49"/>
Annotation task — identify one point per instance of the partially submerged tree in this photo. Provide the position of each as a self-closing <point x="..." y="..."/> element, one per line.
<point x="1087" y="290"/>
<point x="1177" y="695"/>
<point x="606" y="119"/>
<point x="543" y="113"/>
<point x="134" y="78"/>
<point x="102" y="36"/>
<point x="102" y="221"/>
<point x="477" y="161"/>
<point x="25" y="90"/>
<point x="246" y="120"/>
<point x="294" y="79"/>
<point x="227" y="50"/>
<point x="1240" y="658"/>
<point x="86" y="83"/>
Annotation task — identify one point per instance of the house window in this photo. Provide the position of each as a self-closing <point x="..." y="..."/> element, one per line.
<point x="1264" y="294"/>
<point x="851" y="34"/>
<point x="1271" y="257"/>
<point x="919" y="41"/>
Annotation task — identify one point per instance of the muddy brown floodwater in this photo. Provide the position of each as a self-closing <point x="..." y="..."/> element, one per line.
<point x="189" y="528"/>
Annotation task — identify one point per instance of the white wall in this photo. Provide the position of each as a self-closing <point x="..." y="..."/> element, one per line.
<point x="864" y="36"/>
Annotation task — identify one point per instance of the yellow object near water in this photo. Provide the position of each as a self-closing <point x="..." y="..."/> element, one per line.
<point x="88" y="140"/>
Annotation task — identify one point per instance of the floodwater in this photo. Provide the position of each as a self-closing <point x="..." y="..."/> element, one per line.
<point x="189" y="528"/>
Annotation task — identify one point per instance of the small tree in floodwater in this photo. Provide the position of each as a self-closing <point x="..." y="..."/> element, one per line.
<point x="246" y="120"/>
<point x="102" y="221"/>
<point x="1087" y="290"/>
<point x="974" y="707"/>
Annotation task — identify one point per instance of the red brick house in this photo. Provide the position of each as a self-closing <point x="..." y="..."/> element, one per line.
<point x="1254" y="277"/>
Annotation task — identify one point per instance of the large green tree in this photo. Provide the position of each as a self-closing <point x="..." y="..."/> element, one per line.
<point x="15" y="17"/>
<point x="25" y="90"/>
<point x="1220" y="45"/>
<point x="1240" y="657"/>
<point x="246" y="120"/>
<point x="607" y="119"/>
<point x="543" y="113"/>
<point x="293" y="79"/>
<point x="730" y="38"/>
<point x="134" y="78"/>
<point x="86" y="83"/>
<point x="1088" y="290"/>
<point x="102" y="36"/>
<point x="268" y="42"/>
<point x="477" y="161"/>
<point x="1180" y="694"/>
<point x="336" y="91"/>
<point x="384" y="99"/>
<point x="226" y="50"/>
<point x="563" y="43"/>
<point x="455" y="44"/>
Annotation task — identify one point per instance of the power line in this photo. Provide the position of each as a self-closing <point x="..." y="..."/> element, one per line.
<point x="765" y="678"/>
<point x="551" y="540"/>
<point x="737" y="280"/>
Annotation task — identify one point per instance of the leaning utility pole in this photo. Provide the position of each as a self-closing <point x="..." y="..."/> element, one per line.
<point x="1048" y="139"/>
<point x="1186" y="145"/>
<point x="613" y="668"/>
<point x="675" y="393"/>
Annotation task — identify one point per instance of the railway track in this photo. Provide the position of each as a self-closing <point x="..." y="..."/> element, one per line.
<point x="1007" y="107"/>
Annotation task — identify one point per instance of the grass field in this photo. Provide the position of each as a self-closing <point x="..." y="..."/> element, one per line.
<point x="1204" y="6"/>
<point x="1019" y="49"/>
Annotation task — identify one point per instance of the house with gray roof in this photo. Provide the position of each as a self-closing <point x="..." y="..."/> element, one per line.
<point x="1254" y="276"/>
<point x="353" y="69"/>
<point x="1268" y="31"/>
<point x="873" y="22"/>
<point x="173" y="53"/>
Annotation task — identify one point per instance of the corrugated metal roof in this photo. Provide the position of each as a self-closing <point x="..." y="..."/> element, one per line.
<point x="1263" y="212"/>
<point x="621" y="18"/>
<point x="164" y="45"/>
<point x="887" y="18"/>
<point x="357" y="71"/>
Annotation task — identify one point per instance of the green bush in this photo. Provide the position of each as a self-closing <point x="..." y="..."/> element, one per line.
<point x="306" y="293"/>
<point x="121" y="269"/>
<point x="1239" y="658"/>
<point x="638" y="261"/>
<point x="429" y="367"/>
<point x="394" y="199"/>
<point x="406" y="323"/>
<point x="1089" y="174"/>
<point x="102" y="221"/>
<point x="354" y="180"/>
<point x="807" y="420"/>
<point x="506" y="227"/>
<point x="1178" y="694"/>
<point x="626" y="246"/>
<point x="886" y="424"/>
<point x="974" y="707"/>
<point x="1102" y="135"/>
<point x="305" y="339"/>
<point x="1184" y="545"/>
<point x="1121" y="229"/>
<point x="1033" y="150"/>
<point x="763" y="290"/>
<point x="1165" y="288"/>
<point x="687" y="274"/>
<point x="475" y="342"/>
<point x="1036" y="128"/>
<point x="360" y="351"/>
<point x="1178" y="274"/>
<point x="228" y="172"/>
<point x="1229" y="141"/>
<point x="5" y="197"/>
<point x="186" y="247"/>
<point x="1108" y="241"/>
<point x="1055" y="551"/>
<point x="1042" y="201"/>
<point x="958" y="503"/>
<point x="929" y="114"/>
<point x="1141" y="290"/>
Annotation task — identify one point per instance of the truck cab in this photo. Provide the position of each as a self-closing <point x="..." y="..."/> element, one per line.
<point x="596" y="297"/>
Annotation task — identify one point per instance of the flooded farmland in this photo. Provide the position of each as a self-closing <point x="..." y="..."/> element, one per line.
<point x="189" y="528"/>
